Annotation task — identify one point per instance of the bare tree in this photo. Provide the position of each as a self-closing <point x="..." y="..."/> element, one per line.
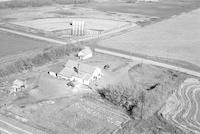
<point x="142" y="100"/>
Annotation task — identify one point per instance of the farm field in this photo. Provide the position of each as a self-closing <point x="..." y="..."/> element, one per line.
<point x="53" y="21"/>
<point x="4" y="0"/>
<point x="182" y="108"/>
<point x="83" y="116"/>
<point x="11" y="44"/>
<point x="162" y="9"/>
<point x="57" y="18"/>
<point x="54" y="24"/>
<point x="64" y="11"/>
<point x="175" y="38"/>
<point x="131" y="96"/>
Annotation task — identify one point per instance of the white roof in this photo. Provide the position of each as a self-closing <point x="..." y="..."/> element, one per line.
<point x="18" y="83"/>
<point x="85" y="70"/>
<point x="85" y="52"/>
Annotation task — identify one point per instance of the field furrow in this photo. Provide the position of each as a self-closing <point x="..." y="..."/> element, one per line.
<point x="197" y="114"/>
<point x="187" y="113"/>
<point x="193" y="109"/>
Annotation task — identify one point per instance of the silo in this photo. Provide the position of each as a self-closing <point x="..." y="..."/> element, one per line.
<point x="78" y="28"/>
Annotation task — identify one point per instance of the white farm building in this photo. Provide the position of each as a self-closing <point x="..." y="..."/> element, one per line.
<point x="80" y="72"/>
<point x="86" y="53"/>
<point x="17" y="86"/>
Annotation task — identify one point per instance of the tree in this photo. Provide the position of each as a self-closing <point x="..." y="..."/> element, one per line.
<point x="142" y="100"/>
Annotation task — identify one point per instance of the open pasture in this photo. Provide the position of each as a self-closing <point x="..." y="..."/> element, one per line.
<point x="182" y="108"/>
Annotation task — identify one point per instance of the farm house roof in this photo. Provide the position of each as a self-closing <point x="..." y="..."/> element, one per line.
<point x="85" y="70"/>
<point x="85" y="52"/>
<point x="18" y="82"/>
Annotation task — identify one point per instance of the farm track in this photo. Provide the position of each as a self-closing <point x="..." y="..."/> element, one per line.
<point x="187" y="111"/>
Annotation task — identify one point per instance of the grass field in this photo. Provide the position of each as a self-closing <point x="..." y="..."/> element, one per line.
<point x="175" y="38"/>
<point x="11" y="44"/>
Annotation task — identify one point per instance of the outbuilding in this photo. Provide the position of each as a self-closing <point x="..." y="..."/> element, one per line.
<point x="86" y="53"/>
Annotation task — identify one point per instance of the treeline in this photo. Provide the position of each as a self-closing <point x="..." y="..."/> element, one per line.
<point x="135" y="99"/>
<point x="39" y="59"/>
<point x="37" y="3"/>
<point x="128" y="97"/>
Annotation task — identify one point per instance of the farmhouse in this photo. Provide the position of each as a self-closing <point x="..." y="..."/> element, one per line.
<point x="85" y="53"/>
<point x="17" y="86"/>
<point x="80" y="72"/>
